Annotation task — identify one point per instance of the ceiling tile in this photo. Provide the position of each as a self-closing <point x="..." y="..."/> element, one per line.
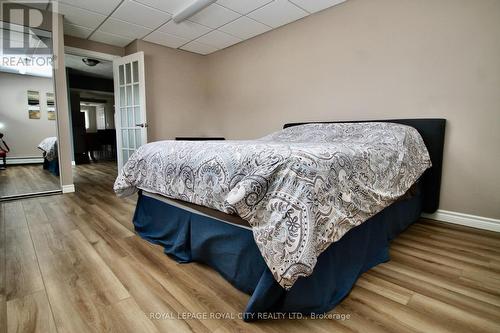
<point x="165" y="39"/>
<point x="77" y="31"/>
<point x="169" y="6"/>
<point x="136" y="13"/>
<point x="124" y="29"/>
<point x="41" y="4"/>
<point x="245" y="28"/>
<point x="218" y="39"/>
<point x="38" y="4"/>
<point x="198" y="47"/>
<point x="316" y="5"/>
<point x="111" y="39"/>
<point x="214" y="16"/>
<point x="99" y="6"/>
<point x="278" y="13"/>
<point x="243" y="6"/>
<point x="82" y="17"/>
<point x="185" y="29"/>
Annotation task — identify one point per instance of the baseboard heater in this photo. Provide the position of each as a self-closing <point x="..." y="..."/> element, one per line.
<point x="24" y="160"/>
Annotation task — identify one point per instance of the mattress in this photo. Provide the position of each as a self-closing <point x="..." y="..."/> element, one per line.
<point x="300" y="189"/>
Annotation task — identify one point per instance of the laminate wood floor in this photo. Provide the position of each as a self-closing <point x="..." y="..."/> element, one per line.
<point x="25" y="179"/>
<point x="72" y="263"/>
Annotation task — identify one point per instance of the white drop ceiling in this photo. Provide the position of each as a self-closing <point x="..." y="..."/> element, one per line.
<point x="220" y="25"/>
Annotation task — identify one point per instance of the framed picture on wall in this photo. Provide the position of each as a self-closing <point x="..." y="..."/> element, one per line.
<point x="33" y="104"/>
<point x="51" y="110"/>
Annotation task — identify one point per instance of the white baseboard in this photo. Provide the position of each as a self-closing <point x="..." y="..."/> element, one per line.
<point x="468" y="220"/>
<point x="24" y="160"/>
<point x="68" y="188"/>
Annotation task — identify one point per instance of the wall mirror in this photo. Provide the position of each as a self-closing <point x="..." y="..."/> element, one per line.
<point x="29" y="157"/>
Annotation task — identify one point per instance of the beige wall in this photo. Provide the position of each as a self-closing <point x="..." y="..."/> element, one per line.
<point x="90" y="45"/>
<point x="21" y="133"/>
<point x="176" y="91"/>
<point x="363" y="59"/>
<point x="369" y="59"/>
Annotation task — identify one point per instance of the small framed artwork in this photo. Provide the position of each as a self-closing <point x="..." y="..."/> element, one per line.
<point x="33" y="104"/>
<point x="51" y="110"/>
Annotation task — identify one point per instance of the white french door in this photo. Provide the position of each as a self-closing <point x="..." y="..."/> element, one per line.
<point x="130" y="105"/>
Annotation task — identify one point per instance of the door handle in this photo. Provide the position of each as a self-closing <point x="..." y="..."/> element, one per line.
<point x="142" y="125"/>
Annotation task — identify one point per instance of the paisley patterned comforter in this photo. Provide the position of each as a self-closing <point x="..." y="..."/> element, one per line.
<point x="49" y="147"/>
<point x="301" y="189"/>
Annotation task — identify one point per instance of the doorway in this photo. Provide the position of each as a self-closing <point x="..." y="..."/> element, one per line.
<point x="91" y="91"/>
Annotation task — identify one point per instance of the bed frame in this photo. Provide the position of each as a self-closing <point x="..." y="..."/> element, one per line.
<point x="191" y="233"/>
<point x="432" y="131"/>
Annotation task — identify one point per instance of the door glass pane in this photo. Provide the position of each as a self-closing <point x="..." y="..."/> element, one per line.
<point x="123" y="116"/>
<point x="122" y="96"/>
<point x="131" y="138"/>
<point x="138" y="139"/>
<point x="131" y="119"/>
<point x="136" y="94"/>
<point x="129" y="95"/>
<point x="122" y="77"/>
<point x="135" y="70"/>
<point x="128" y="73"/>
<point x="137" y="113"/>
<point x="124" y="139"/>
<point x="125" y="155"/>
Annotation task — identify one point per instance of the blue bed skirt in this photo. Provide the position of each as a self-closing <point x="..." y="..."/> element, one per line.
<point x="51" y="166"/>
<point x="231" y="250"/>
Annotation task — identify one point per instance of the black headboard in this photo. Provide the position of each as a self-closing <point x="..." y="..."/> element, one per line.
<point x="432" y="131"/>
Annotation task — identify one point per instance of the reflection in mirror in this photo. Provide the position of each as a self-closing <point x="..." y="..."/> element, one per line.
<point x="29" y="161"/>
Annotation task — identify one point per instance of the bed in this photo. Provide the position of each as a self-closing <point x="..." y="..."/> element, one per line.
<point x="282" y="218"/>
<point x="48" y="146"/>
